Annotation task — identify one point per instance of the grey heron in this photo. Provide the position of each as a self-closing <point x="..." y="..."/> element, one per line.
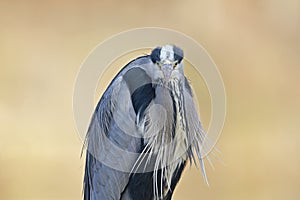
<point x="144" y="130"/>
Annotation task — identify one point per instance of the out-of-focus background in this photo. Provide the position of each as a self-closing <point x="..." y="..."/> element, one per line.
<point x="255" y="44"/>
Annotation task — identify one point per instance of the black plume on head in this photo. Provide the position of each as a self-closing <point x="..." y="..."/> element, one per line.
<point x="155" y="54"/>
<point x="178" y="53"/>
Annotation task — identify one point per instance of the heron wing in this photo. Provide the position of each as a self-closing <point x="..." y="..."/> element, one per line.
<point x="113" y="140"/>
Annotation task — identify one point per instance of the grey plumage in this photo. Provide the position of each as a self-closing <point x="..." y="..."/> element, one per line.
<point x="143" y="131"/>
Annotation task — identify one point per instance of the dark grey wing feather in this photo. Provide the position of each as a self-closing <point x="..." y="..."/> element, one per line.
<point x="113" y="129"/>
<point x="101" y="180"/>
<point x="141" y="89"/>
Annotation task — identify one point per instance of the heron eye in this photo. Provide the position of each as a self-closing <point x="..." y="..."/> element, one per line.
<point x="175" y="64"/>
<point x="159" y="64"/>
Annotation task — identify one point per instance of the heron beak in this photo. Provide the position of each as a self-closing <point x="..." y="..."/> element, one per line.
<point x="167" y="70"/>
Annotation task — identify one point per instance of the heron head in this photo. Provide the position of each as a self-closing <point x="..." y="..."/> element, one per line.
<point x="168" y="62"/>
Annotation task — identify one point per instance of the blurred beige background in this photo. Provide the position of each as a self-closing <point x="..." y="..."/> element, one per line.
<point x="256" y="45"/>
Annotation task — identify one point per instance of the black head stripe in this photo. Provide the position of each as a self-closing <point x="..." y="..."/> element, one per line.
<point x="155" y="54"/>
<point x="178" y="54"/>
